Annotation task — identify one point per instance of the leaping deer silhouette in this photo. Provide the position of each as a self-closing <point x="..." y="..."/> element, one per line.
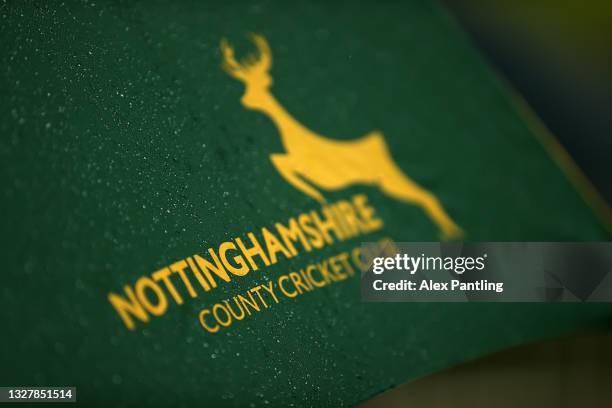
<point x="313" y="160"/>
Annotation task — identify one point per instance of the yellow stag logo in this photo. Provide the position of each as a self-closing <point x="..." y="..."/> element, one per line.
<point x="313" y="160"/>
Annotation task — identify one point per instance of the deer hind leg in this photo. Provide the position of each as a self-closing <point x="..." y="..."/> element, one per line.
<point x="396" y="184"/>
<point x="287" y="168"/>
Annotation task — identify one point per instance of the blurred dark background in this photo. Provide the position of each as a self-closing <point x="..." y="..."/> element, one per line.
<point x="569" y="372"/>
<point x="558" y="55"/>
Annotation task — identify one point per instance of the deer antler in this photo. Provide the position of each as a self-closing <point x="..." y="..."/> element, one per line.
<point x="265" y="55"/>
<point x="230" y="65"/>
<point x="251" y="65"/>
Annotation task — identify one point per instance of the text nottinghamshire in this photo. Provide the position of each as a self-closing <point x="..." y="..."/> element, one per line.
<point x="188" y="277"/>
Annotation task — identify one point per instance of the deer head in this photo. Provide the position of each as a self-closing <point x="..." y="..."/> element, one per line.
<point x="252" y="70"/>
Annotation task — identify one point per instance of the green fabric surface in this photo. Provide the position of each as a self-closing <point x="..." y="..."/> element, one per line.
<point x="125" y="148"/>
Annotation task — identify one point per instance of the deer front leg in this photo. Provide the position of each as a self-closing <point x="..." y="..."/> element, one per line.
<point x="287" y="169"/>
